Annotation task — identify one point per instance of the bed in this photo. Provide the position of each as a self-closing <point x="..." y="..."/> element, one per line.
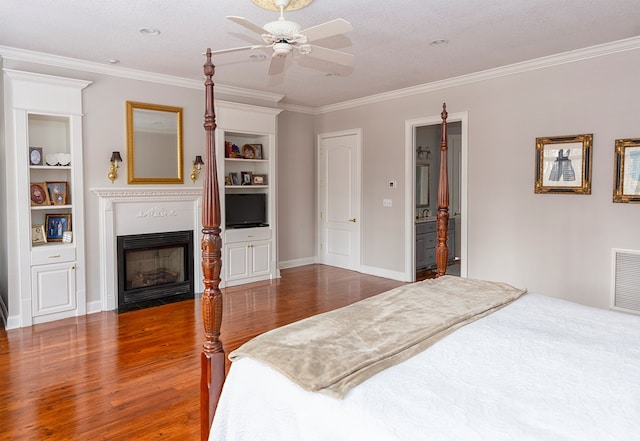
<point x="494" y="362"/>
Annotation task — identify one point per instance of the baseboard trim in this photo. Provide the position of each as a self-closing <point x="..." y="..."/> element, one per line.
<point x="381" y="272"/>
<point x="93" y="307"/>
<point x="297" y="262"/>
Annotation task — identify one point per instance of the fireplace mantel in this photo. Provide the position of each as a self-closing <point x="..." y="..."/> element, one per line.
<point x="140" y="210"/>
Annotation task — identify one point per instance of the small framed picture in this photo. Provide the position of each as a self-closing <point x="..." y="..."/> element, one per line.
<point x="67" y="236"/>
<point x="56" y="225"/>
<point x="235" y="178"/>
<point x="259" y="180"/>
<point x="35" y="155"/>
<point x="246" y="177"/>
<point x="39" y="194"/>
<point x="57" y="192"/>
<point x="227" y="180"/>
<point x="627" y="171"/>
<point x="38" y="235"/>
<point x="563" y="164"/>
<point x="258" y="148"/>
<point x="249" y="151"/>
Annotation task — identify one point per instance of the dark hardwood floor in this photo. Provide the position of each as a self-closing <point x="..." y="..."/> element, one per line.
<point x="135" y="376"/>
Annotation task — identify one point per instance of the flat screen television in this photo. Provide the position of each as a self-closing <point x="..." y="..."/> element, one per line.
<point x="245" y="210"/>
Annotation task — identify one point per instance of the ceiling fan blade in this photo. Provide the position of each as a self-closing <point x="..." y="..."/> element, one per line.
<point x="277" y="65"/>
<point x="332" y="55"/>
<point x="247" y="24"/>
<point x="236" y="49"/>
<point x="328" y="29"/>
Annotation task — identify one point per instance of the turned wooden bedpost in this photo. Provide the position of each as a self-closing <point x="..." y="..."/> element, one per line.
<point x="442" y="254"/>
<point x="212" y="358"/>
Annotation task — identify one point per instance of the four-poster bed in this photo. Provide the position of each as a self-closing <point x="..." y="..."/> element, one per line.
<point x="514" y="366"/>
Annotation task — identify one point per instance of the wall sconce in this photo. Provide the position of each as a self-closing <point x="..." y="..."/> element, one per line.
<point x="195" y="170"/>
<point x="113" y="170"/>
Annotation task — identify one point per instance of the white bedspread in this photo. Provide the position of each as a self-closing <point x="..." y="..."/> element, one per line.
<point x="539" y="369"/>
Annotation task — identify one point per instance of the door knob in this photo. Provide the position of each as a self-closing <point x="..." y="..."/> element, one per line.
<point x="353" y="220"/>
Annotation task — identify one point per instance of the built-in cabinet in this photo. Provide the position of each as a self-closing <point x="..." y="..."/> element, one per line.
<point x="246" y="135"/>
<point x="44" y="147"/>
<point x="427" y="240"/>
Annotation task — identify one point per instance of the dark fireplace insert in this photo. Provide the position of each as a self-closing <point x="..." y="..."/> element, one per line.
<point x="154" y="269"/>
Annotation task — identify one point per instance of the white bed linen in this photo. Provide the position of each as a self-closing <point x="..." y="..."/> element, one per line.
<point x="539" y="369"/>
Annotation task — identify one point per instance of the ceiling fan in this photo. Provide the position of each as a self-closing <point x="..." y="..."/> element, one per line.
<point x="283" y="36"/>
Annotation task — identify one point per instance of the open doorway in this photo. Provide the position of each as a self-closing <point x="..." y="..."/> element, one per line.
<point x="423" y="164"/>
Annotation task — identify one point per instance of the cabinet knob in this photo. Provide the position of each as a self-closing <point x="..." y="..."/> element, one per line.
<point x="73" y="267"/>
<point x="353" y="220"/>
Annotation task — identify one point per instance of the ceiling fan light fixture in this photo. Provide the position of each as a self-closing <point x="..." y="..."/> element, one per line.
<point x="281" y="49"/>
<point x="289" y="5"/>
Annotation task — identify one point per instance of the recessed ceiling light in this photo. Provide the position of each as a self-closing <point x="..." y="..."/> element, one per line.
<point x="113" y="61"/>
<point x="150" y="31"/>
<point x="439" y="42"/>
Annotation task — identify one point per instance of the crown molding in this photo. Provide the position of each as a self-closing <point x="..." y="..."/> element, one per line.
<point x="11" y="53"/>
<point x="605" y="49"/>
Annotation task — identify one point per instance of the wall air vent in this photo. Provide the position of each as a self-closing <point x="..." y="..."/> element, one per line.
<point x="625" y="286"/>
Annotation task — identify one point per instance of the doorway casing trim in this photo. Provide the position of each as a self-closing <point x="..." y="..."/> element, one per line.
<point x="410" y="177"/>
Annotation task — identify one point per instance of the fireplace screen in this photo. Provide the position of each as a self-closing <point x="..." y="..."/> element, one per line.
<point x="154" y="266"/>
<point x="158" y="266"/>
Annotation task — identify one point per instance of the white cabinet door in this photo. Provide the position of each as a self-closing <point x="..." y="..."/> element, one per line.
<point x="260" y="255"/>
<point x="53" y="288"/>
<point x="247" y="259"/>
<point x="236" y="261"/>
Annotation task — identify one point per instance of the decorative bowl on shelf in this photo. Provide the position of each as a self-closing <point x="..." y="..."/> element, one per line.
<point x="51" y="159"/>
<point x="64" y="158"/>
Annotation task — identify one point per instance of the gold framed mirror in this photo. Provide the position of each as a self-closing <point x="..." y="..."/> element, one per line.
<point x="154" y="144"/>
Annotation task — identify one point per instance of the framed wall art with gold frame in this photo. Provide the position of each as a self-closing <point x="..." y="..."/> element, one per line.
<point x="626" y="186"/>
<point x="563" y="164"/>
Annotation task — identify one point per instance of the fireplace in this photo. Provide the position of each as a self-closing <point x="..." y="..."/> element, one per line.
<point x="154" y="268"/>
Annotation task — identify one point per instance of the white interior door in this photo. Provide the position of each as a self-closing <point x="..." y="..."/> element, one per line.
<point x="339" y="199"/>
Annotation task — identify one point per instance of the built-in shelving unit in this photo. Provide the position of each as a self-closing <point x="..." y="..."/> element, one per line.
<point x="46" y="145"/>
<point x="247" y="138"/>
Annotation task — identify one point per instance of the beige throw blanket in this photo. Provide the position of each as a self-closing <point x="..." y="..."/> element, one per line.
<point x="337" y="350"/>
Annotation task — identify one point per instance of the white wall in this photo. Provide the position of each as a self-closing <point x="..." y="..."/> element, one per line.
<point x="555" y="244"/>
<point x="296" y="171"/>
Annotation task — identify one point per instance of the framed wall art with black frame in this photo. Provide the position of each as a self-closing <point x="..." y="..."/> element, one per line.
<point x="626" y="186"/>
<point x="563" y="164"/>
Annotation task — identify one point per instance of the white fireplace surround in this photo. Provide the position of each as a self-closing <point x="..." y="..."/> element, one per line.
<point x="125" y="211"/>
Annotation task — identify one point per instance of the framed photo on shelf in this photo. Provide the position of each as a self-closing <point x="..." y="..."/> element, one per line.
<point x="249" y="151"/>
<point x="67" y="236"/>
<point x="258" y="148"/>
<point x="38" y="235"/>
<point x="227" y="180"/>
<point x="563" y="164"/>
<point x="35" y="156"/>
<point x="56" y="225"/>
<point x="235" y="178"/>
<point x="627" y="171"/>
<point x="246" y="177"/>
<point x="259" y="180"/>
<point x="58" y="192"/>
<point x="39" y="194"/>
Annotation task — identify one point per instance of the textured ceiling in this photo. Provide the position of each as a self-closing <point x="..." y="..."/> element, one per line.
<point x="390" y="39"/>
